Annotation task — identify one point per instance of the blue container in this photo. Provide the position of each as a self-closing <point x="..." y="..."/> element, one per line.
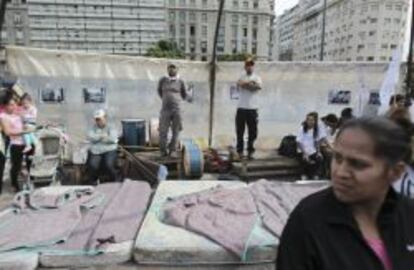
<point x="133" y="131"/>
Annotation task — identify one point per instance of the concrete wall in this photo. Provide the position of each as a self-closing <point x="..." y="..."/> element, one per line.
<point x="291" y="90"/>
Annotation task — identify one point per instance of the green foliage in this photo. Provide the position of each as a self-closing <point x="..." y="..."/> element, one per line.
<point x="234" y="57"/>
<point x="165" y="49"/>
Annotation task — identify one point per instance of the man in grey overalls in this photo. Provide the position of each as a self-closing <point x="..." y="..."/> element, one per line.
<point x="172" y="91"/>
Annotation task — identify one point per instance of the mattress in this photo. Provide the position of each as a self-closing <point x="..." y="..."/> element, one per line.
<point x="160" y="246"/>
<point x="112" y="255"/>
<point x="19" y="260"/>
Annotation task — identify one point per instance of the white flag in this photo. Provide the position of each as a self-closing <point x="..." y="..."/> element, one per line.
<point x="390" y="81"/>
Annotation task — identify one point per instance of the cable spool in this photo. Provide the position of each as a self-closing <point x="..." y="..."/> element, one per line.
<point x="193" y="160"/>
<point x="154" y="135"/>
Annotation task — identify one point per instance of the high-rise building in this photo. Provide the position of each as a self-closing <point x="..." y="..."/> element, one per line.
<point x="112" y="26"/>
<point x="354" y="30"/>
<point x="245" y="27"/>
<point x="285" y="32"/>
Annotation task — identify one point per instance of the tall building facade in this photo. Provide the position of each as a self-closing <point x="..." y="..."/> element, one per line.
<point x="355" y="30"/>
<point x="245" y="27"/>
<point x="110" y="26"/>
<point x="285" y="27"/>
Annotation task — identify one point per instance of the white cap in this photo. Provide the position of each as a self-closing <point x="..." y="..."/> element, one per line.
<point x="99" y="114"/>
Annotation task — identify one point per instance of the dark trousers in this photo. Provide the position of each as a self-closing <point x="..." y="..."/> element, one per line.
<point x="250" y="118"/>
<point x="104" y="162"/>
<point x="16" y="158"/>
<point x="314" y="166"/>
<point x="2" y="164"/>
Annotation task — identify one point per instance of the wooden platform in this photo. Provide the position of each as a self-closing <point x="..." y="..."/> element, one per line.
<point x="174" y="165"/>
<point x="271" y="167"/>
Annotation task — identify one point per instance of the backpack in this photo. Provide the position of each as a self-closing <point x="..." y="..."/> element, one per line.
<point x="288" y="146"/>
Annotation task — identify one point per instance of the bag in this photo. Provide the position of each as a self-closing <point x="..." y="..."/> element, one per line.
<point x="288" y="147"/>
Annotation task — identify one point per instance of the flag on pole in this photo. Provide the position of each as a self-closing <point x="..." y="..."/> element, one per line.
<point x="390" y="81"/>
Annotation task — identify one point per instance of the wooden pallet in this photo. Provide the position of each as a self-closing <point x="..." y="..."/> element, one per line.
<point x="272" y="168"/>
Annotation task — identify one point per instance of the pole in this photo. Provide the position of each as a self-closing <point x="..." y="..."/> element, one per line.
<point x="409" y="85"/>
<point x="2" y="15"/>
<point x="213" y="73"/>
<point x="323" y="30"/>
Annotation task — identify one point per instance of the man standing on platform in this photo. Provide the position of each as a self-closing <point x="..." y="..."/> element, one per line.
<point x="172" y="91"/>
<point x="249" y="85"/>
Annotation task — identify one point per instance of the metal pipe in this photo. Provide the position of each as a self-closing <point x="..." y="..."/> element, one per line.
<point x="323" y="30"/>
<point x="2" y="15"/>
<point x="213" y="74"/>
<point x="409" y="84"/>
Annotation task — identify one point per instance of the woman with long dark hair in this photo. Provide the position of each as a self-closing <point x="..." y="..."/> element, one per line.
<point x="309" y="139"/>
<point x="360" y="223"/>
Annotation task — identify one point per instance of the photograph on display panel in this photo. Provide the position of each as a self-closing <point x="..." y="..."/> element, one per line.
<point x="340" y="97"/>
<point x="52" y="95"/>
<point x="94" y="94"/>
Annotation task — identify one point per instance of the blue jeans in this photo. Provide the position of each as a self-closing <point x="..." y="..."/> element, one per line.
<point x="102" y="163"/>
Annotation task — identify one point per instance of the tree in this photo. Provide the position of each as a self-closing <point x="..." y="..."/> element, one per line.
<point x="165" y="49"/>
<point x="234" y="57"/>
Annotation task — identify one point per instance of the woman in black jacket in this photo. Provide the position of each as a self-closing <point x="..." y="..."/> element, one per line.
<point x="360" y="222"/>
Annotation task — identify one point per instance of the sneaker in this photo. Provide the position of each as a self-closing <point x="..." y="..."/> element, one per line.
<point x="27" y="149"/>
<point x="238" y="157"/>
<point x="174" y="154"/>
<point x="250" y="156"/>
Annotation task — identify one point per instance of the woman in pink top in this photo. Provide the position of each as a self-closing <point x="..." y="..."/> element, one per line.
<point x="13" y="127"/>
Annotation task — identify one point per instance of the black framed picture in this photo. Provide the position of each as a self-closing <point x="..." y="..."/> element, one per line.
<point x="52" y="95"/>
<point x="340" y="97"/>
<point x="374" y="99"/>
<point x="94" y="94"/>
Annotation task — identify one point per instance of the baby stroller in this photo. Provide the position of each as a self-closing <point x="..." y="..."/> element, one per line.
<point x="46" y="167"/>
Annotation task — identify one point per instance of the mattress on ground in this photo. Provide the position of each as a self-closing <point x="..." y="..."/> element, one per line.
<point x="19" y="260"/>
<point x="113" y="254"/>
<point x="161" y="244"/>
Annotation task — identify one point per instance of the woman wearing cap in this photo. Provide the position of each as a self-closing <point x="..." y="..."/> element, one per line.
<point x="360" y="223"/>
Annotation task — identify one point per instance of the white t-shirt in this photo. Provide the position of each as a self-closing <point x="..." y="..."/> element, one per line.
<point x="307" y="140"/>
<point x="247" y="98"/>
<point x="405" y="185"/>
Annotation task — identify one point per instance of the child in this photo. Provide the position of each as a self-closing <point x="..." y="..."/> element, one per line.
<point x="28" y="113"/>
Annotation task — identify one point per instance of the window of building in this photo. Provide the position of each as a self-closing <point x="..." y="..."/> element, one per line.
<point x="172" y="2"/>
<point x="204" y="17"/>
<point x="19" y="34"/>
<point x="172" y="15"/>
<point x="255" y="20"/>
<point x="235" y="3"/>
<point x="192" y="2"/>
<point x="370" y="58"/>
<point x="182" y="2"/>
<point x="204" y="3"/>
<point x="363" y="21"/>
<point x="373" y="20"/>
<point x="397" y="20"/>
<point x="374" y="7"/>
<point x="182" y="30"/>
<point x="372" y="33"/>
<point x="255" y="4"/>
<point x="182" y="16"/>
<point x="254" y="33"/>
<point x="245" y="32"/>
<point x="246" y="4"/>
<point x="234" y="31"/>
<point x="384" y="46"/>
<point x="192" y="30"/>
<point x="393" y="46"/>
<point x="388" y="6"/>
<point x="383" y="58"/>
<point x="398" y="7"/>
<point x="387" y="20"/>
<point x="172" y="29"/>
<point x="192" y="17"/>
<point x="204" y="30"/>
<point x="235" y="18"/>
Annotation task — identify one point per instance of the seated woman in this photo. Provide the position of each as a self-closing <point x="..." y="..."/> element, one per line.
<point x="360" y="222"/>
<point x="13" y="128"/>
<point x="103" y="150"/>
<point x="309" y="139"/>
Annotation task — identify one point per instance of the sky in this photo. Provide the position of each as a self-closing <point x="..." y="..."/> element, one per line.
<point x="282" y="5"/>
